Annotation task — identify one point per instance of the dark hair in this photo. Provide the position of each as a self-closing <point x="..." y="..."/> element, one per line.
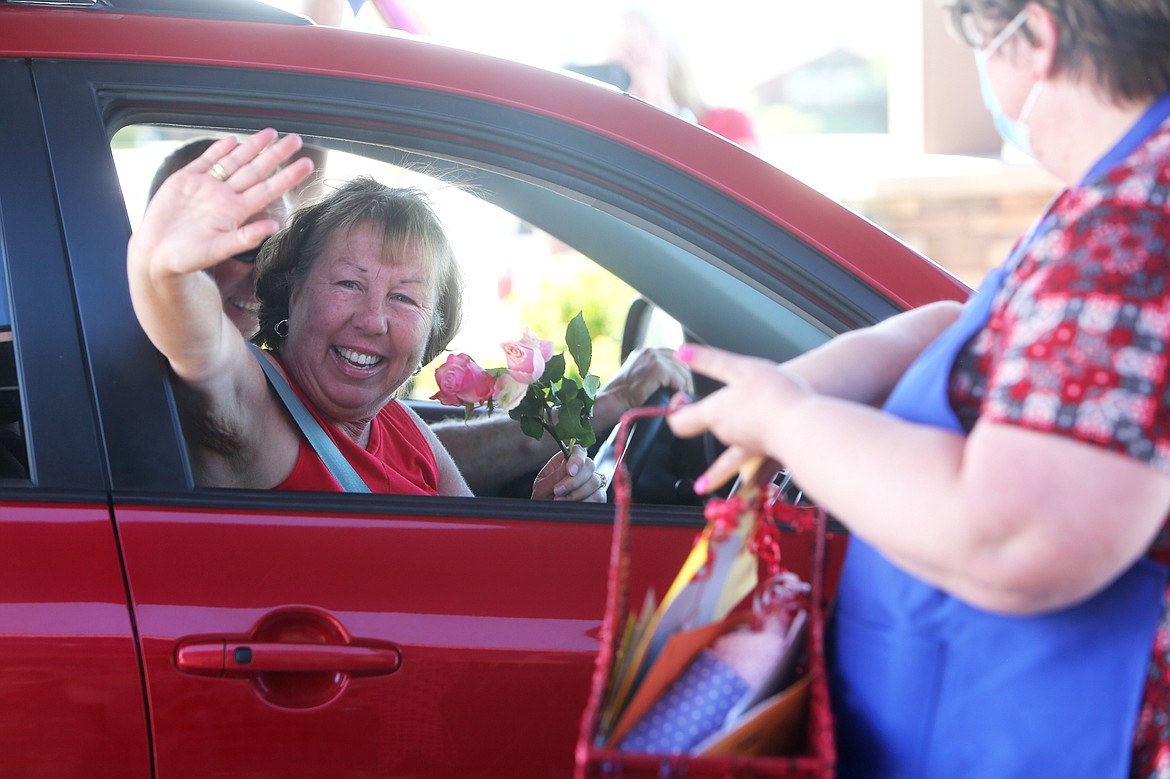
<point x="1123" y="45"/>
<point x="407" y="219"/>
<point x="179" y="158"/>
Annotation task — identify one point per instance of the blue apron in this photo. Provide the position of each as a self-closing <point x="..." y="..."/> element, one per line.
<point x="926" y="686"/>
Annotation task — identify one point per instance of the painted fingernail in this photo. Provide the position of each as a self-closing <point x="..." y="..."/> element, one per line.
<point x="685" y="353"/>
<point x="702" y="484"/>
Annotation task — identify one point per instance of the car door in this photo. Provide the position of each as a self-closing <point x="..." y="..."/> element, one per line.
<point x="301" y="634"/>
<point x="71" y="695"/>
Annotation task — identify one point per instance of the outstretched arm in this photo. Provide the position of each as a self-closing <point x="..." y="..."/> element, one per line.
<point x="198" y="218"/>
<point x="492" y="450"/>
<point x="194" y="222"/>
<point x="861" y="366"/>
<point x="1005" y="518"/>
<point x="864" y="365"/>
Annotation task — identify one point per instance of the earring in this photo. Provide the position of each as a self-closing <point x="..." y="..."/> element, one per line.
<point x="281" y="328"/>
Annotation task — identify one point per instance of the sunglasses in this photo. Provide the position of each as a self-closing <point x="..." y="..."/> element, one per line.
<point x="250" y="256"/>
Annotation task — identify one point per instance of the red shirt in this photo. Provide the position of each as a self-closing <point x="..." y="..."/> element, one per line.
<point x="398" y="459"/>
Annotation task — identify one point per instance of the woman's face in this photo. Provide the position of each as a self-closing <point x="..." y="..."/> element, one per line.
<point x="237" y="281"/>
<point x="358" y="324"/>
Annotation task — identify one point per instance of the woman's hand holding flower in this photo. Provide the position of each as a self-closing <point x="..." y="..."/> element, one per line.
<point x="572" y="479"/>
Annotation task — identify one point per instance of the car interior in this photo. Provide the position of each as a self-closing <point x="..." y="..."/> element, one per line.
<point x="525" y="248"/>
<point x="522" y="244"/>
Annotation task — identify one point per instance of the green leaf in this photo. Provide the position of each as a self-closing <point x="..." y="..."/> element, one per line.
<point x="568" y="391"/>
<point x="531" y="405"/>
<point x="569" y="421"/>
<point x="573" y="421"/>
<point x="568" y="430"/>
<point x="531" y="427"/>
<point x="592" y="385"/>
<point x="554" y="369"/>
<point x="580" y="343"/>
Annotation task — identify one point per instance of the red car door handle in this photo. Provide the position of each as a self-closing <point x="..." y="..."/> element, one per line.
<point x="219" y="657"/>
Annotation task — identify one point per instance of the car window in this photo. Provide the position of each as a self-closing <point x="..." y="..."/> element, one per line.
<point x="517" y="275"/>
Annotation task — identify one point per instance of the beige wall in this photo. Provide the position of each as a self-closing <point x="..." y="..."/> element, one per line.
<point x="965" y="221"/>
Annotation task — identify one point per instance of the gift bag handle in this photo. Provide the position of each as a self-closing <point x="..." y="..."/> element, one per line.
<point x="616" y="597"/>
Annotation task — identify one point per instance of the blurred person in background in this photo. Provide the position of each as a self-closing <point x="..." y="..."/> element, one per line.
<point x="395" y="14"/>
<point x="661" y="74"/>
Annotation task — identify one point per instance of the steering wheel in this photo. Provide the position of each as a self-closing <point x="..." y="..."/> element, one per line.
<point x="662" y="467"/>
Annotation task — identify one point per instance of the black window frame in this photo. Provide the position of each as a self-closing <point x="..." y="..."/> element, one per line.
<point x="58" y="413"/>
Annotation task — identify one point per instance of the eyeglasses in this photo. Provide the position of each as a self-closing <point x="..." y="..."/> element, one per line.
<point x="970" y="28"/>
<point x="250" y="256"/>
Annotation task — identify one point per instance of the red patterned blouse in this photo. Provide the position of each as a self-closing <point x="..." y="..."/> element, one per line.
<point x="1078" y="345"/>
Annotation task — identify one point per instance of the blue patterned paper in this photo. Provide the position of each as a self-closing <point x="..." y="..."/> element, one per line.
<point x="692" y="709"/>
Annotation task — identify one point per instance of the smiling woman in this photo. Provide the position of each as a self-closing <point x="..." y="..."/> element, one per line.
<point x="356" y="292"/>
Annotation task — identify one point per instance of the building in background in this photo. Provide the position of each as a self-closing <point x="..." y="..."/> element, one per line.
<point x="873" y="104"/>
<point x="900" y="134"/>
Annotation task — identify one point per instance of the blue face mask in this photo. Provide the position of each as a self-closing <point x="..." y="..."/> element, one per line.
<point x="1014" y="131"/>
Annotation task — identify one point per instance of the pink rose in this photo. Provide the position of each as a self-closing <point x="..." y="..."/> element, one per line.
<point x="526" y="357"/>
<point x="508" y="392"/>
<point x="461" y="381"/>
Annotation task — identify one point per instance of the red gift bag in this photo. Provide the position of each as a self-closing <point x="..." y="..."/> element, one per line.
<point x="791" y="737"/>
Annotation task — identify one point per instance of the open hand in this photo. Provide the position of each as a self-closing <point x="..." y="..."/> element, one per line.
<point x="199" y="216"/>
<point x="643" y="372"/>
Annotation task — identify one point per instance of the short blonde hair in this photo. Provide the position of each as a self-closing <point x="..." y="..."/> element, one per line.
<point x="406" y="217"/>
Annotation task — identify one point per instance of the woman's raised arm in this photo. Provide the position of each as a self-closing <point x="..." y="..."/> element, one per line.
<point x="200" y="217"/>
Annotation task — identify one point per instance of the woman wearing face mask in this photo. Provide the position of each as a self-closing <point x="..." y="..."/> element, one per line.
<point x="1004" y="466"/>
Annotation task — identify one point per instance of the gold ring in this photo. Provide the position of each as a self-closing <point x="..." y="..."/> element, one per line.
<point x="218" y="171"/>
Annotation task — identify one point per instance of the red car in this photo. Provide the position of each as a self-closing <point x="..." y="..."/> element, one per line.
<point x="152" y="628"/>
